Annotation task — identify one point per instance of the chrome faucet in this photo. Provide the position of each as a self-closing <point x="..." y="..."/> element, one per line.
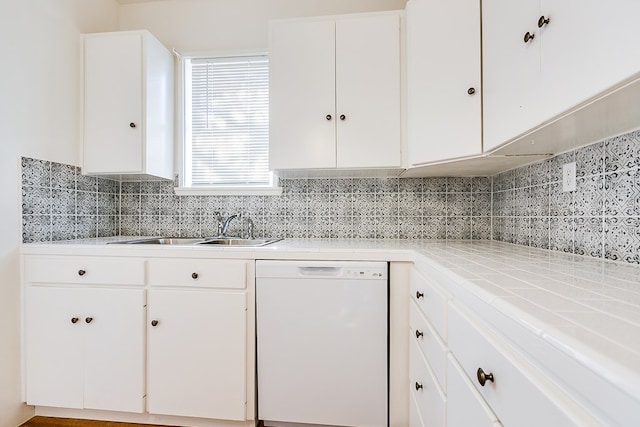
<point x="223" y="226"/>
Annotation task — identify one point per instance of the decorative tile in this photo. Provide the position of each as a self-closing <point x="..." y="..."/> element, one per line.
<point x="36" y="201"/>
<point x="504" y="181"/>
<point x="481" y="228"/>
<point x="503" y="229"/>
<point x="341" y="205"/>
<point x="86" y="226"/>
<point x="481" y="184"/>
<point x="319" y="205"/>
<point x="622" y="193"/>
<point x="364" y="204"/>
<point x="521" y="202"/>
<point x="130" y="204"/>
<point x="342" y="186"/>
<point x="296" y="204"/>
<point x="556" y="163"/>
<point x="209" y="223"/>
<point x="538" y="201"/>
<point x="458" y="204"/>
<point x="149" y="225"/>
<point x="107" y="186"/>
<point x="364" y="227"/>
<point x="410" y="185"/>
<point x="319" y="186"/>
<point x="590" y="160"/>
<point x="622" y="152"/>
<point x="320" y="227"/>
<point x="363" y="186"/>
<point x="150" y="187"/>
<point x="622" y="239"/>
<point x="458" y="185"/>
<point x="589" y="237"/>
<point x="36" y="173"/>
<point x="561" y="234"/>
<point x="297" y="228"/>
<point x="342" y="228"/>
<point x="191" y="205"/>
<point x="254" y="206"/>
<point x="434" y="228"/>
<point x="387" y="227"/>
<point x="275" y="227"/>
<point x="522" y="177"/>
<point x="410" y="204"/>
<point x="63" y="202"/>
<point x="107" y="225"/>
<point x="208" y="204"/>
<point x="386" y="185"/>
<point x="87" y="203"/>
<point x="459" y="228"/>
<point x="434" y="185"/>
<point x="560" y="203"/>
<point x="129" y="225"/>
<point x="168" y="225"/>
<point x="434" y="204"/>
<point x="588" y="197"/>
<point x="274" y="206"/>
<point x="36" y="228"/>
<point x="387" y="205"/>
<point x="107" y="204"/>
<point x="133" y="187"/>
<point x="170" y="205"/>
<point x="190" y="226"/>
<point x="89" y="183"/>
<point x="294" y="186"/>
<point x="522" y="231"/>
<point x="539" y="233"/>
<point x="63" y="227"/>
<point x="166" y="187"/>
<point x="410" y="227"/>
<point x="63" y="176"/>
<point x="539" y="173"/>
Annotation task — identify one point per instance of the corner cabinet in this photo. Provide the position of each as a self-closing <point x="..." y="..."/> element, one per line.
<point x="84" y="333"/>
<point x="542" y="58"/>
<point x="335" y="92"/>
<point x="128" y="105"/>
<point x="444" y="117"/>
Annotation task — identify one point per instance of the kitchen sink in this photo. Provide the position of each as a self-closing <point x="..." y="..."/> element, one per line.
<point x="187" y="241"/>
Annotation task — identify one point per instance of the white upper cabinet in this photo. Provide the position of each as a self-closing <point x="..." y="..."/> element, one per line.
<point x="444" y="115"/>
<point x="335" y="92"/>
<point x="575" y="50"/>
<point x="128" y="105"/>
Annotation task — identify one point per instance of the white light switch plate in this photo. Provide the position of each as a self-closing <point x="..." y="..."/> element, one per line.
<point x="569" y="177"/>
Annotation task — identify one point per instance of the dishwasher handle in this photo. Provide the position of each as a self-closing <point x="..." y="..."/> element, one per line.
<point x="320" y="271"/>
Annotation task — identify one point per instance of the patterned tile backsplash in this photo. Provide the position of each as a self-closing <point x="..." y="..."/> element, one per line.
<point x="600" y="219"/>
<point x="525" y="206"/>
<point x="59" y="204"/>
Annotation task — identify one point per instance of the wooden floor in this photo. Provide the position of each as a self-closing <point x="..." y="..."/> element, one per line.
<point x="69" y="422"/>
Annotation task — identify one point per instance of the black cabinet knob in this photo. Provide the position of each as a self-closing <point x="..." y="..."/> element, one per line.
<point x="89" y="319"/>
<point x="419" y="334"/>
<point x="328" y="117"/>
<point x="542" y="21"/>
<point x="81" y="272"/>
<point x="342" y="117"/>
<point x="419" y="295"/>
<point x="154" y="323"/>
<point x="194" y="275"/>
<point x="132" y="125"/>
<point x="528" y="37"/>
<point x="74" y="320"/>
<point x="418" y="386"/>
<point x="483" y="377"/>
<point x="471" y="90"/>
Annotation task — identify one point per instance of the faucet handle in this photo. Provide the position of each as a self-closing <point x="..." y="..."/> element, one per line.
<point x="249" y="230"/>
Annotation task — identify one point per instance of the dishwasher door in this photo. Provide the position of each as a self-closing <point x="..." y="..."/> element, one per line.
<point x="322" y="343"/>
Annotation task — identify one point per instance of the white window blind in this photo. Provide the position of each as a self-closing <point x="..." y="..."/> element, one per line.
<point x="227" y="122"/>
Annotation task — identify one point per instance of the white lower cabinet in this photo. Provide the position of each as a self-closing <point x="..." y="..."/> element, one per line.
<point x="197" y="353"/>
<point x="85" y="347"/>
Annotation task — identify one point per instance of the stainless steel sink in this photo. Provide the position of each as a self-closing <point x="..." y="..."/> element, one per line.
<point x="186" y="241"/>
<point x="233" y="241"/>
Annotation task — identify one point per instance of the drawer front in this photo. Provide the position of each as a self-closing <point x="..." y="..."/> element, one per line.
<point x="465" y="406"/>
<point x="425" y="390"/>
<point x="430" y="343"/>
<point x="415" y="419"/>
<point x="519" y="395"/>
<point x="78" y="270"/>
<point x="431" y="300"/>
<point x="199" y="273"/>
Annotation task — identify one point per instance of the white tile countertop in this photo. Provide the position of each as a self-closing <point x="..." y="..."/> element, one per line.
<point x="585" y="308"/>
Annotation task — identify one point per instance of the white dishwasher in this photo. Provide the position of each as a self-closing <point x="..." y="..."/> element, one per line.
<point x="322" y="343"/>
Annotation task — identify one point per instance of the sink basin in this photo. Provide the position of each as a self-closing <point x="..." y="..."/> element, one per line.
<point x="186" y="241"/>
<point x="236" y="241"/>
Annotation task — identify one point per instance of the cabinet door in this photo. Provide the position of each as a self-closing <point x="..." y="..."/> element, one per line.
<point x="114" y="350"/>
<point x="368" y="91"/>
<point x="197" y="354"/>
<point x="302" y="95"/>
<point x="113" y="101"/>
<point x="54" y="346"/>
<point x="511" y="69"/>
<point x="587" y="46"/>
<point x="443" y="67"/>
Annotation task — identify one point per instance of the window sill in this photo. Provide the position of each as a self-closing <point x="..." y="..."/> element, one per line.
<point x="217" y="191"/>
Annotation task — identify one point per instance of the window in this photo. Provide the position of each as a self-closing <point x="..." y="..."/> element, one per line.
<point x="226" y="124"/>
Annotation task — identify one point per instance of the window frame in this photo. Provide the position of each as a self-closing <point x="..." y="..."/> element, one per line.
<point x="182" y="146"/>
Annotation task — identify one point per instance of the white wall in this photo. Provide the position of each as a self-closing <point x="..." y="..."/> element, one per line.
<point x="221" y="25"/>
<point x="39" y="113"/>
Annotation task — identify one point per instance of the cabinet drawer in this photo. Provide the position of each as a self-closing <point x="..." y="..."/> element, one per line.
<point x="431" y="300"/>
<point x="415" y="419"/>
<point x="520" y="394"/>
<point x="430" y="343"/>
<point x="425" y="389"/>
<point x="200" y="273"/>
<point x="72" y="270"/>
<point x="465" y="407"/>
